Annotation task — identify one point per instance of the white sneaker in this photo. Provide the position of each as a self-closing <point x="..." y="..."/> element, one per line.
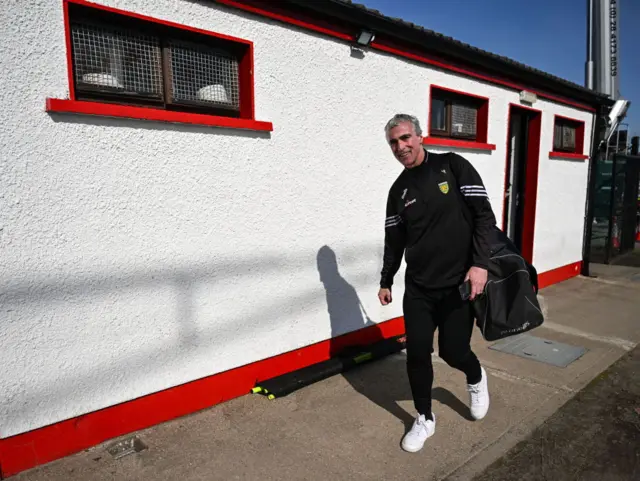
<point x="479" y="397"/>
<point x="422" y="429"/>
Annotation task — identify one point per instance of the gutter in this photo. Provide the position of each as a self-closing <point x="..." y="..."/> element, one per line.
<point x="445" y="47"/>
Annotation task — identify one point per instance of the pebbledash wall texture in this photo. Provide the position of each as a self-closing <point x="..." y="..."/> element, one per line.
<point x="137" y="256"/>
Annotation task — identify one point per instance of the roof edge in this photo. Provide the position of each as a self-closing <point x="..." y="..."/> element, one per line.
<point x="447" y="48"/>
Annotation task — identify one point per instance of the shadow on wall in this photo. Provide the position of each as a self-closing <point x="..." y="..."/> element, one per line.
<point x="382" y="383"/>
<point x="146" y="361"/>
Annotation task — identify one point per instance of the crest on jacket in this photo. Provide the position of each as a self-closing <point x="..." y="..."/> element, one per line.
<point x="444" y="187"/>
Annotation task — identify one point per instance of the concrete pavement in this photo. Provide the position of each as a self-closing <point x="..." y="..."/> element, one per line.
<point x="594" y="437"/>
<point x="349" y="427"/>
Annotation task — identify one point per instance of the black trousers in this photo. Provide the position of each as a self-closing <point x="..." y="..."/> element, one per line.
<point x="424" y="311"/>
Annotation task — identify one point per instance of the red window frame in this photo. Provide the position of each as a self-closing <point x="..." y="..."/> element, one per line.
<point x="245" y="118"/>
<point x="578" y="150"/>
<point x="443" y="138"/>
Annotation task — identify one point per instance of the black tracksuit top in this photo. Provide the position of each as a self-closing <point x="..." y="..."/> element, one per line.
<point x="439" y="215"/>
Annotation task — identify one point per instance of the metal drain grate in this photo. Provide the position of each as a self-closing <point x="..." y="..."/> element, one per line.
<point x="538" y="349"/>
<point x="125" y="447"/>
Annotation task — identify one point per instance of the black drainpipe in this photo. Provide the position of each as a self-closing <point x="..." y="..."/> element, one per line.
<point x="598" y="135"/>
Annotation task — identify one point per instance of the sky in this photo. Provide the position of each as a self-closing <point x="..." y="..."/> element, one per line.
<point x="550" y="35"/>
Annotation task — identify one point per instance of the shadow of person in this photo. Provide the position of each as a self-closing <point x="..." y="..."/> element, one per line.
<point x="447" y="398"/>
<point x="383" y="383"/>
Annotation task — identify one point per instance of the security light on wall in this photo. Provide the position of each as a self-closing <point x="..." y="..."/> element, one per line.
<point x="365" y="38"/>
<point x="528" y="97"/>
<point x="616" y="115"/>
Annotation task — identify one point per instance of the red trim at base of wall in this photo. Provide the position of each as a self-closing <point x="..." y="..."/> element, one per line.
<point x="560" y="274"/>
<point x="46" y="444"/>
<point x="461" y="144"/>
<point x="158" y="115"/>
<point x="33" y="448"/>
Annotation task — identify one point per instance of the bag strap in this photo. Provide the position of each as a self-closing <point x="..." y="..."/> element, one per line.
<point x="500" y="239"/>
<point x="466" y="212"/>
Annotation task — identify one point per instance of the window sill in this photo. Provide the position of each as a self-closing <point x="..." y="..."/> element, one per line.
<point x="567" y="155"/>
<point x="158" y="115"/>
<point x="463" y="144"/>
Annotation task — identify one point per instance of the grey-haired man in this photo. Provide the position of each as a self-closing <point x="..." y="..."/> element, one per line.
<point x="426" y="221"/>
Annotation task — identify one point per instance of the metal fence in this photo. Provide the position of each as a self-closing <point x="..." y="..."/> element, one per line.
<point x="612" y="226"/>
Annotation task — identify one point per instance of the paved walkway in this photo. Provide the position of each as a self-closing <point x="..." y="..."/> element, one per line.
<point x="349" y="427"/>
<point x="595" y="436"/>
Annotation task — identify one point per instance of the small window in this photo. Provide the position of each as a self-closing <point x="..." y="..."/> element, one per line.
<point x="201" y="75"/>
<point x="117" y="58"/>
<point x="564" y="136"/>
<point x="457" y="115"/>
<point x="115" y="61"/>
<point x="568" y="135"/>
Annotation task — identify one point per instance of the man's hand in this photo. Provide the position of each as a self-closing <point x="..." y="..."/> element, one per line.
<point x="478" y="279"/>
<point x="385" y="296"/>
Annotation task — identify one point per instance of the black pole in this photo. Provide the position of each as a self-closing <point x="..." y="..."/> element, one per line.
<point x="598" y="135"/>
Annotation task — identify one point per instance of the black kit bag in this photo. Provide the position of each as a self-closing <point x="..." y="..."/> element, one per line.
<point x="509" y="304"/>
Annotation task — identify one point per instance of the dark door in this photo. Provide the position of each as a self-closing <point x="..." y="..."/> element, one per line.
<point x="521" y="177"/>
<point x="516" y="176"/>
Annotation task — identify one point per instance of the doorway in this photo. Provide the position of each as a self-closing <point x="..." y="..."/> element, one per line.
<point x="521" y="177"/>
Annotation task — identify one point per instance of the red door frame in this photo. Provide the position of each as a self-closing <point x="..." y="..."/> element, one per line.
<point x="531" y="177"/>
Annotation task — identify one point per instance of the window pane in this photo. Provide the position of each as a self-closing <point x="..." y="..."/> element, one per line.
<point x="204" y="75"/>
<point x="463" y="120"/>
<point x="557" y="137"/>
<point x="569" y="137"/>
<point x="438" y="114"/>
<point x="109" y="59"/>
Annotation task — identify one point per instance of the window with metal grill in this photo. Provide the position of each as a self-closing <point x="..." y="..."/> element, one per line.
<point x="564" y="136"/>
<point x="122" y="59"/>
<point x="456" y="115"/>
<point x="203" y="75"/>
<point x="116" y="61"/>
<point x="568" y="138"/>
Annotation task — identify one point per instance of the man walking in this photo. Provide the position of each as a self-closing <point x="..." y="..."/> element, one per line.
<point x="444" y="235"/>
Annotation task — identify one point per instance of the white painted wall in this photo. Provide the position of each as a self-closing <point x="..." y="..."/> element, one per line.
<point x="562" y="194"/>
<point x="137" y="256"/>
